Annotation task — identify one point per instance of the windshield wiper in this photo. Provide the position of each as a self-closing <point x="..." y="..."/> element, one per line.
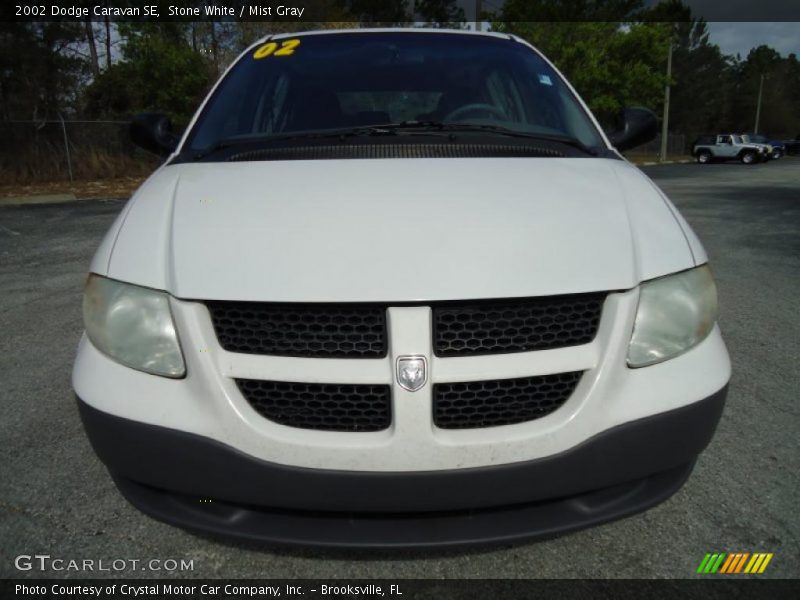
<point x="493" y="129"/>
<point x="243" y="140"/>
<point x="404" y="127"/>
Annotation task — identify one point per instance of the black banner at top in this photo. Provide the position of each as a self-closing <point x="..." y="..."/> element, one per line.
<point x="397" y="12"/>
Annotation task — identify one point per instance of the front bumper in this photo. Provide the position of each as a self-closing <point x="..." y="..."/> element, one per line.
<point x="172" y="475"/>
<point x="208" y="403"/>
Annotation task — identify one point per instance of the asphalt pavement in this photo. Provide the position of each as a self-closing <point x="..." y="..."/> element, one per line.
<point x="56" y="498"/>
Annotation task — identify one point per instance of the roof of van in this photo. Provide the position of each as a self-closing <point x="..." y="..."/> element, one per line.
<point x="420" y="30"/>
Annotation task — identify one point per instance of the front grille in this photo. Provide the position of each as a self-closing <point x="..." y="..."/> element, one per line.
<point x="475" y="404"/>
<point x="310" y="331"/>
<point x="496" y="327"/>
<point x="322" y="406"/>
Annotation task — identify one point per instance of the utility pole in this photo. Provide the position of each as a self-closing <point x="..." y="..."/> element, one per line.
<point x="478" y="11"/>
<point x="665" y="119"/>
<point x="66" y="146"/>
<point x="758" y="105"/>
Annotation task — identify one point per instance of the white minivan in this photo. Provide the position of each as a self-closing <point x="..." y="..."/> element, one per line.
<point x="397" y="288"/>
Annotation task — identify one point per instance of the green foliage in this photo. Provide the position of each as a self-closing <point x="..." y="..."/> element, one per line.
<point x="160" y="71"/>
<point x="45" y="69"/>
<point x="568" y="10"/>
<point x="702" y="82"/>
<point x="376" y="12"/>
<point x="780" y="102"/>
<point x="610" y="66"/>
<point x="444" y="13"/>
<point x="613" y="65"/>
<point x="41" y="72"/>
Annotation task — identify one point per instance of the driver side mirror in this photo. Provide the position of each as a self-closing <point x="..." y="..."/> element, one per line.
<point x="635" y="126"/>
<point x="153" y="132"/>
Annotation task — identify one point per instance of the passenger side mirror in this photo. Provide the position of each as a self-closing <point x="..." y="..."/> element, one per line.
<point x="153" y="132"/>
<point x="636" y="126"/>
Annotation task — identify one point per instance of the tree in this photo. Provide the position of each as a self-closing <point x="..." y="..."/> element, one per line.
<point x="159" y="70"/>
<point x="610" y="65"/>
<point x="703" y="81"/>
<point x="41" y="69"/>
<point x="570" y="10"/>
<point x="441" y="13"/>
<point x="780" y="110"/>
<point x="376" y="12"/>
<point x="95" y="60"/>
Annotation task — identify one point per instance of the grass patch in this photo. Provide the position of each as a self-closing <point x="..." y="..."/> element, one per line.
<point x="44" y="163"/>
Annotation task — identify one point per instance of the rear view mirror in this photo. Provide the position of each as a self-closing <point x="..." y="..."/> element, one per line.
<point x="636" y="126"/>
<point x="153" y="132"/>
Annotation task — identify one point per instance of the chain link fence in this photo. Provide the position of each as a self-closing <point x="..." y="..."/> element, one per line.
<point x="69" y="150"/>
<point x="677" y="146"/>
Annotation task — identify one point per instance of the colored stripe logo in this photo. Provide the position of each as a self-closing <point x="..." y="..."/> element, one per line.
<point x="731" y="563"/>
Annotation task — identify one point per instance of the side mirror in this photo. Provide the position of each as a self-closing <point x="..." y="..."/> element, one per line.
<point x="153" y="132"/>
<point x="636" y="126"/>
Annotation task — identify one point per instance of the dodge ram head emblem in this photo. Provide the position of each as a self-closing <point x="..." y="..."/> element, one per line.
<point x="411" y="372"/>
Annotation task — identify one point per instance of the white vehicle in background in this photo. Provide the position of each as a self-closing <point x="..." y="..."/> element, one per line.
<point x="775" y="149"/>
<point x="396" y="288"/>
<point x="707" y="149"/>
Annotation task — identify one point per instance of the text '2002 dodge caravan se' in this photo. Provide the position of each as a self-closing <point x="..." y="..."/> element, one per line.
<point x="397" y="288"/>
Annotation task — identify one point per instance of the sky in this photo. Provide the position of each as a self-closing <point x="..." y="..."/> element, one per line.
<point x="733" y="38"/>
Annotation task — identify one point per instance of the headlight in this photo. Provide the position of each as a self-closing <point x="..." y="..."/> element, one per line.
<point x="675" y="314"/>
<point x="133" y="325"/>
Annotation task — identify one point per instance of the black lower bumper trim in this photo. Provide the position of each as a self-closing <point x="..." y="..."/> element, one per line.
<point x="165" y="473"/>
<point x="406" y="530"/>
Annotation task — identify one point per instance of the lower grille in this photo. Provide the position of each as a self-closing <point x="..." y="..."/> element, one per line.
<point x="322" y="406"/>
<point x="475" y="404"/>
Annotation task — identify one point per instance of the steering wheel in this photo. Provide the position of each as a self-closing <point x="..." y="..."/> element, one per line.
<point x="475" y="107"/>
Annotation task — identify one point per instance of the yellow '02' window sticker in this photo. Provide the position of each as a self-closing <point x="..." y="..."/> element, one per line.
<point x="284" y="48"/>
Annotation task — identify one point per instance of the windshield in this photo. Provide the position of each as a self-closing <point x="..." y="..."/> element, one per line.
<point x="335" y="81"/>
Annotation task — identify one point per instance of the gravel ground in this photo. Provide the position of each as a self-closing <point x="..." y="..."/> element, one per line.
<point x="56" y="498"/>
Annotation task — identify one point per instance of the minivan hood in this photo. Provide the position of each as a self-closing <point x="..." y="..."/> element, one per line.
<point x="395" y="230"/>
